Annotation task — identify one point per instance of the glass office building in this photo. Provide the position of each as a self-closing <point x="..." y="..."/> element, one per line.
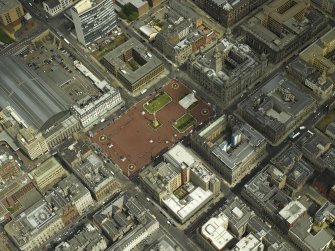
<point x="93" y="19"/>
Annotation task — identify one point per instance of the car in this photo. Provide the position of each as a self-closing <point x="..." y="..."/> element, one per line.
<point x="168" y="222"/>
<point x="148" y="199"/>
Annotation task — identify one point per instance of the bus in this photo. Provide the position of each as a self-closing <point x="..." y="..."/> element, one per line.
<point x="66" y="41"/>
<point x="295" y="135"/>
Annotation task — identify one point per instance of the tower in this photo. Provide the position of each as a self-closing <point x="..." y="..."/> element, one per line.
<point x="264" y="61"/>
<point x="185" y="174"/>
<point x="190" y="63"/>
<point x="217" y="58"/>
<point x="93" y="19"/>
<point x="229" y="35"/>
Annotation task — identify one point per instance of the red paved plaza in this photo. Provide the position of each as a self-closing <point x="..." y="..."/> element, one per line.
<point x="132" y="143"/>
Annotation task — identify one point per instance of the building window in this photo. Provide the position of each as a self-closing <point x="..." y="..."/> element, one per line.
<point x="8" y="18"/>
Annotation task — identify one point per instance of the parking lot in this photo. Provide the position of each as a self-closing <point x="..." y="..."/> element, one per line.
<point x="55" y="66"/>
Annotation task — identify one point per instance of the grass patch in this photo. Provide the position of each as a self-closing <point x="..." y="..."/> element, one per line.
<point x="326" y="120"/>
<point x="14" y="208"/>
<point x="103" y="49"/>
<point x="180" y="193"/>
<point x="5" y="38"/>
<point x="133" y="65"/>
<point x="184" y="122"/>
<point x="157" y="103"/>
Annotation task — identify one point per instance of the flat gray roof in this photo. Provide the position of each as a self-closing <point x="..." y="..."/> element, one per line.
<point x="6" y="5"/>
<point x="27" y="93"/>
<point x="151" y="61"/>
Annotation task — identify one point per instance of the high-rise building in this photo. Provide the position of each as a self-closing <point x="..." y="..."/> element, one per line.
<point x="93" y="19"/>
<point x="32" y="142"/>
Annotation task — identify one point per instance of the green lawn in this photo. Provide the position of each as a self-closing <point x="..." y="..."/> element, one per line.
<point x="13" y="209"/>
<point x="184" y="122"/>
<point x="5" y="38"/>
<point x="133" y="64"/>
<point x="157" y="103"/>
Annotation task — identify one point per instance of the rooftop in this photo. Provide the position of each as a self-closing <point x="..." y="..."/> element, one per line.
<point x="237" y="212"/>
<point x="318" y="51"/>
<point x="145" y="61"/>
<point x="6" y="5"/>
<point x="236" y="61"/>
<point x="255" y="27"/>
<point x="159" y="176"/>
<point x="248" y="139"/>
<point x="88" y="238"/>
<point x="123" y="218"/>
<point x="328" y="159"/>
<point x="30" y="222"/>
<point x="84" y="5"/>
<point x="293" y="211"/>
<point x="52" y="3"/>
<point x="163" y="244"/>
<point x="282" y="11"/>
<point x="215" y="231"/>
<point x="68" y="190"/>
<point x="184" y="208"/>
<point x="327" y="211"/>
<point x="286" y="159"/>
<point x="27" y="93"/>
<point x="271" y="238"/>
<point x="265" y="195"/>
<point x="301" y="67"/>
<point x="314" y="145"/>
<point x="94" y="173"/>
<point x="179" y="155"/>
<point x="45" y="169"/>
<point x="64" y="123"/>
<point x="277" y="105"/>
<point x="250" y="242"/>
<point x="315" y="242"/>
<point x="330" y="130"/>
<point x="285" y="14"/>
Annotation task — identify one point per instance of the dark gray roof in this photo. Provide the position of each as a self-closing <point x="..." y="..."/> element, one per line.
<point x="302" y="67"/>
<point x="151" y="61"/>
<point x="52" y="3"/>
<point x="27" y="93"/>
